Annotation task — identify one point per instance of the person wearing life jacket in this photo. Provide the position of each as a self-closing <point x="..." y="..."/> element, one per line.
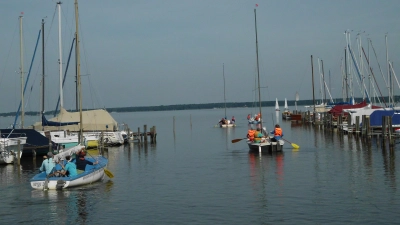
<point x="233" y="120"/>
<point x="258" y="136"/>
<point x="277" y="132"/>
<point x="251" y="135"/>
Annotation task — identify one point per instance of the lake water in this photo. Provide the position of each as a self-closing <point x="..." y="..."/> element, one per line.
<point x="195" y="175"/>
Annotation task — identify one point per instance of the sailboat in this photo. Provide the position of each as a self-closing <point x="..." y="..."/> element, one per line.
<point x="276" y="105"/>
<point x="92" y="173"/>
<point x="286" y="112"/>
<point x="224" y="122"/>
<point x="263" y="144"/>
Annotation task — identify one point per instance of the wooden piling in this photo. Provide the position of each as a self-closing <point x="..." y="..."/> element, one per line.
<point x="357" y="125"/>
<point x="19" y="152"/>
<point x="384" y="130"/>
<point x="367" y="126"/>
<point x="390" y="131"/>
<point x="173" y="125"/>
<point x="145" y="133"/>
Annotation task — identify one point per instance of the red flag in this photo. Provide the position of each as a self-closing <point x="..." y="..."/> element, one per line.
<point x="22" y="13"/>
<point x="256" y="5"/>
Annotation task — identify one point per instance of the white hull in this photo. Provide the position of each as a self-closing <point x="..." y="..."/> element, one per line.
<point x="227" y="125"/>
<point x="52" y="182"/>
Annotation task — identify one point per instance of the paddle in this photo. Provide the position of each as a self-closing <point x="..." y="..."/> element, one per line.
<point x="293" y="144"/>
<point x="237" y="140"/>
<point x="106" y="171"/>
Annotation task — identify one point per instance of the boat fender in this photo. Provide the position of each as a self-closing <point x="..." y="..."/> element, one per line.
<point x="60" y="184"/>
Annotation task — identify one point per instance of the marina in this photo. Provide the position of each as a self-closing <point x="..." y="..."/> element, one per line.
<point x="180" y="180"/>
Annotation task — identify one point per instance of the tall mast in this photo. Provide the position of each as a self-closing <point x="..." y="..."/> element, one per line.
<point x="346" y="79"/>
<point x="21" y="70"/>
<point x="323" y="80"/>
<point x="312" y="75"/>
<point x="223" y="75"/>
<point x="60" y="55"/>
<point x="258" y="69"/>
<point x="43" y="75"/>
<point x="78" y="69"/>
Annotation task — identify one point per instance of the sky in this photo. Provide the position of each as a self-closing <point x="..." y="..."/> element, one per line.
<point x="157" y="52"/>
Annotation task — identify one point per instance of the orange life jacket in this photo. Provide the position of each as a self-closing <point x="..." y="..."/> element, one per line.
<point x="250" y="134"/>
<point x="278" y="131"/>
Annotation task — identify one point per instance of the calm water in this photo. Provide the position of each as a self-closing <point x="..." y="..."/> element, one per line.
<point x="195" y="175"/>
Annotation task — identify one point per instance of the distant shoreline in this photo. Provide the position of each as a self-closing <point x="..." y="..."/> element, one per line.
<point x="291" y="104"/>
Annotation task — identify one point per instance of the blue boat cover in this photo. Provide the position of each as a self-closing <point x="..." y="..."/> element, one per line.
<point x="376" y="117"/>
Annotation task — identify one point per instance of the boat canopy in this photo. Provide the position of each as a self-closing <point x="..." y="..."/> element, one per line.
<point x="92" y="120"/>
<point x="376" y="117"/>
<point x="338" y="109"/>
<point x="45" y="122"/>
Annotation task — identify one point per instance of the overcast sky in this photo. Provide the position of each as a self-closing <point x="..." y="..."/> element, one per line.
<point x="160" y="52"/>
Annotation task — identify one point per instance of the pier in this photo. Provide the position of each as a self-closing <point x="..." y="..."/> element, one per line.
<point x="343" y="124"/>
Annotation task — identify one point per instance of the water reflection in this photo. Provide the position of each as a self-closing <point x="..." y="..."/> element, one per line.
<point x="263" y="167"/>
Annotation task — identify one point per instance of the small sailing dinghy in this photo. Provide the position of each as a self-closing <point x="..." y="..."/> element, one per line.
<point x="91" y="174"/>
<point x="276" y="105"/>
<point x="286" y="113"/>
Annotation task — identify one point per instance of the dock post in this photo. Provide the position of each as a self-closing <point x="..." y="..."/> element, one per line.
<point x="173" y="125"/>
<point x="390" y="131"/>
<point x="145" y="133"/>
<point x="367" y="128"/>
<point x="138" y="135"/>
<point x="154" y="134"/>
<point x="357" y="124"/>
<point x="384" y="130"/>
<point x="363" y="131"/>
<point x="19" y="152"/>
<point x="339" y="122"/>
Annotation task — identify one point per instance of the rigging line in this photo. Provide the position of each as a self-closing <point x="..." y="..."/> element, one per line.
<point x="373" y="76"/>
<point x="379" y="65"/>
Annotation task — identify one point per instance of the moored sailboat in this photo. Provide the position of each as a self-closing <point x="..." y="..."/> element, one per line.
<point x="286" y="113"/>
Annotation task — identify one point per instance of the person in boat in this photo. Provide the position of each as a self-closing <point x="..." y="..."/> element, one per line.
<point x="277" y="132"/>
<point x="233" y="120"/>
<point x="248" y="117"/>
<point x="69" y="169"/>
<point x="56" y="172"/>
<point x="251" y="134"/>
<point x="258" y="136"/>
<point x="222" y="121"/>
<point x="47" y="164"/>
<point x="81" y="162"/>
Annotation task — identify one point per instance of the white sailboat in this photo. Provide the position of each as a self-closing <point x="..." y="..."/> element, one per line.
<point x="264" y="144"/>
<point x="224" y="122"/>
<point x="276" y="105"/>
<point x="286" y="113"/>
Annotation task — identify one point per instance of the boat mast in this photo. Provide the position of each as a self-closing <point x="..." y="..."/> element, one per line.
<point x="60" y="55"/>
<point x="78" y="75"/>
<point x="223" y="75"/>
<point x="312" y="75"/>
<point x="258" y="69"/>
<point x="42" y="111"/>
<point x="21" y="71"/>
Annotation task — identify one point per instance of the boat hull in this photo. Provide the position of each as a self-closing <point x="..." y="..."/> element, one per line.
<point x="93" y="173"/>
<point x="266" y="146"/>
<point x="227" y="125"/>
